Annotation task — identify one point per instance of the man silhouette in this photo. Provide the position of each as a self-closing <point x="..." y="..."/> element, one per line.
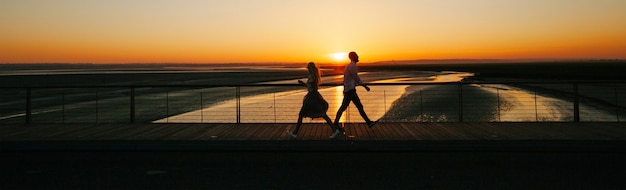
<point x="350" y="81"/>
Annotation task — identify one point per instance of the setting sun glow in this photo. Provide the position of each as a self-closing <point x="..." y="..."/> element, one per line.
<point x="238" y="31"/>
<point x="339" y="56"/>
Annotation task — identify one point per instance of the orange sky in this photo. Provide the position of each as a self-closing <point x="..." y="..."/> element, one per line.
<point x="200" y="31"/>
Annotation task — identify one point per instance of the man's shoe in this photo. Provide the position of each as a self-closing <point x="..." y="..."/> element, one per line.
<point x="341" y="129"/>
<point x="371" y="124"/>
<point x="335" y="134"/>
<point x="292" y="134"/>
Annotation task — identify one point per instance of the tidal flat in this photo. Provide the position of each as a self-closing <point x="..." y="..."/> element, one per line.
<point x="65" y="93"/>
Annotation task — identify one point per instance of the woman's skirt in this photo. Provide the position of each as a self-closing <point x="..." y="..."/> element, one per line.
<point x="314" y="105"/>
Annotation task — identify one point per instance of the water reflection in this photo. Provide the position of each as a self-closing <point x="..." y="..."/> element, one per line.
<point x="519" y="105"/>
<point x="492" y="102"/>
<point x="283" y="107"/>
<point x="516" y="104"/>
<point x="442" y="77"/>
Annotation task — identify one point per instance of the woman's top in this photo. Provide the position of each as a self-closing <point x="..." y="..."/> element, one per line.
<point x="311" y="84"/>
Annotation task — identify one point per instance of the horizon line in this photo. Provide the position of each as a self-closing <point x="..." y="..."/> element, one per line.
<point x="283" y="62"/>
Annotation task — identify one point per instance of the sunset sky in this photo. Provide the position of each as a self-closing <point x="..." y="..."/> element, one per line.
<point x="235" y="31"/>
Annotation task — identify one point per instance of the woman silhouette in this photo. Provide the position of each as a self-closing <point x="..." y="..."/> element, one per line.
<point x="314" y="105"/>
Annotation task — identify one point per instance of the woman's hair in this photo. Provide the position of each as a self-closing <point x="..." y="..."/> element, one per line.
<point x="315" y="72"/>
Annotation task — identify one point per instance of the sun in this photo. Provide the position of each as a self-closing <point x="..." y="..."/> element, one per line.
<point x="339" y="56"/>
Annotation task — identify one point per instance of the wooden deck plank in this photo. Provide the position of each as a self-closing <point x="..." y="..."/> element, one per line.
<point x="409" y="130"/>
<point x="351" y="131"/>
<point x="271" y="132"/>
<point x="367" y="131"/>
<point x="305" y="132"/>
<point x="289" y="127"/>
<point x="166" y="132"/>
<point x="254" y="132"/>
<point x="484" y="132"/>
<point x="14" y="130"/>
<point x="398" y="131"/>
<point x="607" y="131"/>
<point x="232" y="132"/>
<point x="414" y="131"/>
<point x="322" y="130"/>
<point x="92" y="131"/>
<point x="394" y="130"/>
<point x="278" y="132"/>
<point x="187" y="132"/>
<point x="358" y="134"/>
<point x="207" y="132"/>
<point x="374" y="133"/>
<point x="382" y="132"/>
<point x="358" y="131"/>
<point x="223" y="130"/>
<point x="455" y="132"/>
<point x="267" y="132"/>
<point x="317" y="131"/>
<point x="487" y="131"/>
<point x="149" y="132"/>
<point x="236" y="132"/>
<point x="56" y="130"/>
<point x="426" y="132"/>
<point x="404" y="130"/>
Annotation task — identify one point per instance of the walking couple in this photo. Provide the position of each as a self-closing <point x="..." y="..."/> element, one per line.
<point x="314" y="105"/>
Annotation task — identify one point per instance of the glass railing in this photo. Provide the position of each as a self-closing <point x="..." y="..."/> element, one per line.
<point x="280" y="103"/>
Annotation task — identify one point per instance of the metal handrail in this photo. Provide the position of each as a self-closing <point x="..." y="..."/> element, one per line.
<point x="575" y="95"/>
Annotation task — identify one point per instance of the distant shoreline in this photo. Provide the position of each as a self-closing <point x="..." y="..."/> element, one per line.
<point x="539" y="69"/>
<point x="536" y="70"/>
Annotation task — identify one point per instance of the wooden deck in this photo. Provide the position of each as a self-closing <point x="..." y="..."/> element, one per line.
<point x="313" y="132"/>
<point x="384" y="136"/>
<point x="357" y="132"/>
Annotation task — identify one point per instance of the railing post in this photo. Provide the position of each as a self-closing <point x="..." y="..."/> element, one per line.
<point x="498" y="104"/>
<point x="274" y="93"/>
<point x="617" y="110"/>
<point x="617" y="105"/>
<point x="96" y="106"/>
<point x="201" y="108"/>
<point x="421" y="107"/>
<point x="385" y="100"/>
<point x="536" y="111"/>
<point x="576" y="103"/>
<point x="28" y="105"/>
<point x="132" y="104"/>
<point x="63" y="107"/>
<point x="238" y="102"/>
<point x="167" y="106"/>
<point x="460" y="88"/>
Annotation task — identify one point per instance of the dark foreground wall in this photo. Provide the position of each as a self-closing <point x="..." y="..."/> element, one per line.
<point x="446" y="169"/>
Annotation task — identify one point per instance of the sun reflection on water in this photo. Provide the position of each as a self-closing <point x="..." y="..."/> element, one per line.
<point x="283" y="107"/>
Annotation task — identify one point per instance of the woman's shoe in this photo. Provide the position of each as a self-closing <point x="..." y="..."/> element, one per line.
<point x="337" y="132"/>
<point x="295" y="136"/>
